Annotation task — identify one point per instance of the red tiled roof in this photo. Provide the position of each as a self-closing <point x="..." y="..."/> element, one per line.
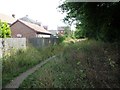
<point x="7" y="19"/>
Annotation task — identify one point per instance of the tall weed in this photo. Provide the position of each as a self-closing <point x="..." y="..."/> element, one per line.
<point x="24" y="59"/>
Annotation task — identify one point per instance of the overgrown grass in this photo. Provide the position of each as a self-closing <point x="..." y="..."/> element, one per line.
<point x="88" y="64"/>
<point x="22" y="60"/>
<point x="56" y="74"/>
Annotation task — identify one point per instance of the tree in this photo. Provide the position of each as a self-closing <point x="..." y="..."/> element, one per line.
<point x="67" y="31"/>
<point x="4" y="30"/>
<point x="79" y="34"/>
<point x="98" y="20"/>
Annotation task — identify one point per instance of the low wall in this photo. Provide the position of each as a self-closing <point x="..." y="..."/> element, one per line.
<point x="12" y="43"/>
<point x="21" y="43"/>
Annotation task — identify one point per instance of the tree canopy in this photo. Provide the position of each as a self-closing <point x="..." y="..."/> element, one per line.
<point x="98" y="20"/>
<point x="4" y="30"/>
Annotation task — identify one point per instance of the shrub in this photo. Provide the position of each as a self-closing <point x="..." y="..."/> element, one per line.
<point x="4" y="30"/>
<point x="61" y="39"/>
<point x="87" y="64"/>
<point x="24" y="59"/>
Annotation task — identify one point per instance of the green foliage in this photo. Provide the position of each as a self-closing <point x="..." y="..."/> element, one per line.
<point x="79" y="34"/>
<point x="4" y="30"/>
<point x="67" y="34"/>
<point x="22" y="60"/>
<point x="98" y="20"/>
<point x="55" y="74"/>
<point x="88" y="64"/>
<point x="61" y="38"/>
<point x="67" y="31"/>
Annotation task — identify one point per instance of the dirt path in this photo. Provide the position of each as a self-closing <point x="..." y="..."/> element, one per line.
<point x="18" y="80"/>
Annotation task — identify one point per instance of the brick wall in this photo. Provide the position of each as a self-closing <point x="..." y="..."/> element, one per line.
<point x="19" y="28"/>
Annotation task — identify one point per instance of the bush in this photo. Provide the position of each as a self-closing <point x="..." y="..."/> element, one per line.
<point x="87" y="64"/>
<point x="61" y="39"/>
<point x="24" y="59"/>
<point x="89" y="56"/>
<point x="4" y="30"/>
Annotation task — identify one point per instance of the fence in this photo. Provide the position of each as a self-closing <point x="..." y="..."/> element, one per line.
<point x="20" y="43"/>
<point x="40" y="42"/>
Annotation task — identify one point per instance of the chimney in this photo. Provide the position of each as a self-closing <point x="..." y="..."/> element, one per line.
<point x="13" y="15"/>
<point x="45" y="27"/>
<point x="26" y="15"/>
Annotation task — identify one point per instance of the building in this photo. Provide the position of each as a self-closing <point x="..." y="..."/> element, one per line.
<point x="62" y="29"/>
<point x="45" y="27"/>
<point x="54" y="32"/>
<point x="27" y="19"/>
<point x="8" y="19"/>
<point x="25" y="29"/>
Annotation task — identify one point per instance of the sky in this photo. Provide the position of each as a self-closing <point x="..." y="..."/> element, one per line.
<point x="44" y="11"/>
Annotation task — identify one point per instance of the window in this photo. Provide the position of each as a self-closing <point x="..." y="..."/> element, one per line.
<point x="19" y="35"/>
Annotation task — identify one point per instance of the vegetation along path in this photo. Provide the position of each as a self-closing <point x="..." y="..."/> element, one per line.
<point x="18" y="80"/>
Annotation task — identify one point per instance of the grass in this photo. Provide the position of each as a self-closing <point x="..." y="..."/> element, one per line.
<point x="22" y="60"/>
<point x="86" y="64"/>
<point x="0" y="73"/>
<point x="55" y="74"/>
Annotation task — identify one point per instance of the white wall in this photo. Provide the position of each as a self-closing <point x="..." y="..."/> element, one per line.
<point x="42" y="35"/>
<point x="12" y="43"/>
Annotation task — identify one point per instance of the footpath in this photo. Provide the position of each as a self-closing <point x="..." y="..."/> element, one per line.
<point x="18" y="80"/>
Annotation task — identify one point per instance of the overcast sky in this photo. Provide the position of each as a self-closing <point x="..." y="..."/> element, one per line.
<point x="42" y="10"/>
